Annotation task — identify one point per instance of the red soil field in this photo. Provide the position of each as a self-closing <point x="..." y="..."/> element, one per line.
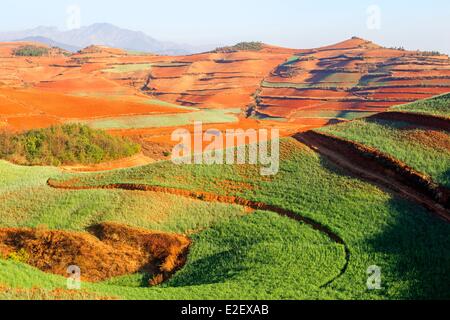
<point x="22" y="123"/>
<point x="352" y="68"/>
<point x="71" y="107"/>
<point x="41" y="91"/>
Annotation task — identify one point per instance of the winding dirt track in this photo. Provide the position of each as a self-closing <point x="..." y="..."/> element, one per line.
<point x="210" y="197"/>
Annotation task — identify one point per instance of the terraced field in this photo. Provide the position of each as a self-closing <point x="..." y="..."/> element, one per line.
<point x="427" y="151"/>
<point x="224" y="231"/>
<point x="303" y="88"/>
<point x="353" y="76"/>
<point x="436" y="106"/>
<point x="181" y="119"/>
<point x="233" y="249"/>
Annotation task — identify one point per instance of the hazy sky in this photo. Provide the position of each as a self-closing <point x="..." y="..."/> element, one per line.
<point x="414" y="24"/>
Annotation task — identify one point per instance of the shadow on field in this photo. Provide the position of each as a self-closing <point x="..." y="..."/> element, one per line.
<point x="412" y="249"/>
<point x="417" y="249"/>
<point x="215" y="268"/>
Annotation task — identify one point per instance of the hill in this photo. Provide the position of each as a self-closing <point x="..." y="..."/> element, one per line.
<point x="369" y="191"/>
<point x="50" y="43"/>
<point x="351" y="79"/>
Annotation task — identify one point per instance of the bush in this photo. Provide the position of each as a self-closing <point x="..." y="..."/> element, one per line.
<point x="64" y="145"/>
<point x="30" y="51"/>
<point x="430" y="53"/>
<point x="242" y="46"/>
<point x="21" y="256"/>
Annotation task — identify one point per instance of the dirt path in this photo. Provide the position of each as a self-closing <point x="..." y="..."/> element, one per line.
<point x="370" y="169"/>
<point x="211" y="197"/>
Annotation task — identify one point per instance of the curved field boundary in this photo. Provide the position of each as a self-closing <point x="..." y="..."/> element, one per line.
<point x="420" y="119"/>
<point x="211" y="197"/>
<point x="373" y="165"/>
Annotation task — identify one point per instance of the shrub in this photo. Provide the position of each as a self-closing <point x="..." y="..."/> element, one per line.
<point x="21" y="256"/>
<point x="430" y="53"/>
<point x="65" y="144"/>
<point x="30" y="51"/>
<point x="242" y="46"/>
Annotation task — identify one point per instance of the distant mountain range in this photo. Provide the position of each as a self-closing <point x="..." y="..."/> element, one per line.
<point x="100" y="34"/>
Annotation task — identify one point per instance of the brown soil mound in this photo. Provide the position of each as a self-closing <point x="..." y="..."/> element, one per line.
<point x="109" y="250"/>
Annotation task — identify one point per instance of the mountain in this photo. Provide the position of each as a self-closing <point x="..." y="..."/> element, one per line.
<point x="102" y="34"/>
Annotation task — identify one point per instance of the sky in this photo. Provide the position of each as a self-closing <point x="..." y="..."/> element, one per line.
<point x="413" y="24"/>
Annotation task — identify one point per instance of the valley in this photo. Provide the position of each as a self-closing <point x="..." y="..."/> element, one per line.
<point x="363" y="175"/>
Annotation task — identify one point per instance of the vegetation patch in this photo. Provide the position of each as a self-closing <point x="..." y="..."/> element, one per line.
<point x="377" y="226"/>
<point x="45" y="294"/>
<point x="130" y="67"/>
<point x="258" y="256"/>
<point x="31" y="51"/>
<point x="332" y="114"/>
<point x="171" y="120"/>
<point x="110" y="250"/>
<point x="436" y="106"/>
<point x="425" y="150"/>
<point x="242" y="46"/>
<point x="304" y="85"/>
<point x="64" y="145"/>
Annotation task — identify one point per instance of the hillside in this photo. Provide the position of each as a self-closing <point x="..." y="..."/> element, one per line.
<point x="363" y="175"/>
<point x="351" y="79"/>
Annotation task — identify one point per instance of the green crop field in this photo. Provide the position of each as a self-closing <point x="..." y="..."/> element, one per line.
<point x="169" y="120"/>
<point x="347" y="78"/>
<point x="423" y="149"/>
<point x="69" y="210"/>
<point x="305" y="85"/>
<point x="332" y="114"/>
<point x="130" y="67"/>
<point x="237" y="255"/>
<point x="436" y="106"/>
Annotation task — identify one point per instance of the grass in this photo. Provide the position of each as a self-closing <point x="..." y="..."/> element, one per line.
<point x="380" y="229"/>
<point x="262" y="255"/>
<point x="321" y="80"/>
<point x="252" y="257"/>
<point x="138" y="53"/>
<point x="292" y="60"/>
<point x="171" y="120"/>
<point x="242" y="46"/>
<point x="134" y="67"/>
<point x="333" y="114"/>
<point x="168" y="104"/>
<point x="425" y="150"/>
<point x="337" y="77"/>
<point x="171" y="64"/>
<point x="436" y="106"/>
<point x="317" y="85"/>
<point x="64" y="144"/>
<point x="30" y="51"/>
<point x="228" y="242"/>
<point x="130" y="67"/>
